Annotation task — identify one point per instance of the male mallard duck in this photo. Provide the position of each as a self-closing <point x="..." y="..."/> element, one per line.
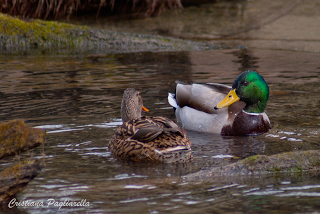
<point x="201" y="107"/>
<point x="147" y="138"/>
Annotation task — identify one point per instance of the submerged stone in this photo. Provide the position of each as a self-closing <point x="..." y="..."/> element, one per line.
<point x="261" y="164"/>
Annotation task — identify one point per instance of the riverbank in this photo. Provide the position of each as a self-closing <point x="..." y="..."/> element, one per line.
<point x="34" y="35"/>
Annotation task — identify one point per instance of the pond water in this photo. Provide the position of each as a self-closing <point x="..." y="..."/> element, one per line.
<point x="77" y="100"/>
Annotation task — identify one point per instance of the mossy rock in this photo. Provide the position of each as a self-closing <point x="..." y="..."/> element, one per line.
<point x="17" y="137"/>
<point x="298" y="161"/>
<point x="14" y="179"/>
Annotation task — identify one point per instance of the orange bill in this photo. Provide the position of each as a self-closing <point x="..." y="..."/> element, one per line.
<point x="232" y="97"/>
<point x="145" y="109"/>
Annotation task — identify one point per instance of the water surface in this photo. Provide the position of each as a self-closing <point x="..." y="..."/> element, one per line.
<point x="77" y="100"/>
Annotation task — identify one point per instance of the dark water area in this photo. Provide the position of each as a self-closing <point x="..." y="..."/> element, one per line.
<point x="77" y="100"/>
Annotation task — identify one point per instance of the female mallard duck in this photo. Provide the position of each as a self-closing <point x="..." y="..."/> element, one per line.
<point x="201" y="107"/>
<point x="147" y="138"/>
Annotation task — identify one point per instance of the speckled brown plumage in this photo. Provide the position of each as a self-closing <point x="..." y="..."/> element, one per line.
<point x="150" y="139"/>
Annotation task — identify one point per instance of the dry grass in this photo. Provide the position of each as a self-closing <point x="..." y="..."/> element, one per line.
<point x="59" y="8"/>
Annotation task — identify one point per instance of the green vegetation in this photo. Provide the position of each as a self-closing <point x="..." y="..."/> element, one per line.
<point x="40" y="33"/>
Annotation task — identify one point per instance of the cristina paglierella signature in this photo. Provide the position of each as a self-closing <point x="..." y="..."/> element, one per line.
<point x="48" y="203"/>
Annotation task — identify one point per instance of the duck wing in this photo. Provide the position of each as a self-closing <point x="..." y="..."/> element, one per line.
<point x="146" y="129"/>
<point x="141" y="130"/>
<point x="202" y="97"/>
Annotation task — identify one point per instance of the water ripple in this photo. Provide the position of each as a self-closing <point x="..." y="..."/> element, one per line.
<point x="299" y="194"/>
<point x="134" y="200"/>
<point x="139" y="187"/>
<point x="300" y="187"/>
<point x="126" y="176"/>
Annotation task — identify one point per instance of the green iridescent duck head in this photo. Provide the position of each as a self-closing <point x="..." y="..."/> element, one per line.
<point x="250" y="88"/>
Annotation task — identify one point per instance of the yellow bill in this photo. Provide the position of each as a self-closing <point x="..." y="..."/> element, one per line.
<point x="232" y="97"/>
<point x="145" y="109"/>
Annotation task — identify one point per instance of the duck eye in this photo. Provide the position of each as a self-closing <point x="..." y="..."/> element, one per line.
<point x="245" y="83"/>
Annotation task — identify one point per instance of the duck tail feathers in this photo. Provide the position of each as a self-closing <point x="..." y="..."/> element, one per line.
<point x="172" y="100"/>
<point x="174" y="149"/>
